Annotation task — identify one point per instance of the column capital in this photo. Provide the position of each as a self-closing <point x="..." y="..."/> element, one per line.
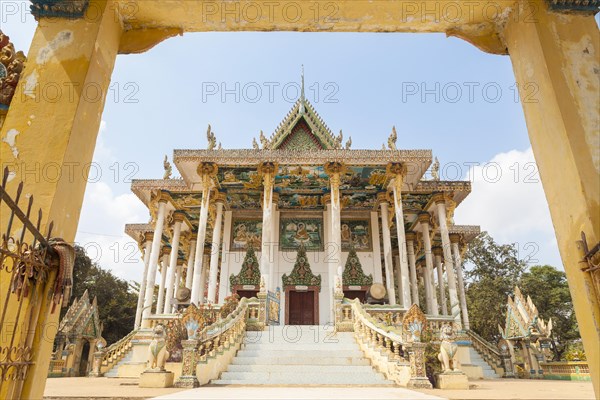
<point x="160" y="196"/>
<point x="146" y="237"/>
<point x="334" y="167"/>
<point x="396" y="168"/>
<point x="384" y="197"/>
<point x="441" y="197"/>
<point x="411" y="236"/>
<point x="437" y="251"/>
<point x="179" y="216"/>
<point x="193" y="236"/>
<point x="455" y="238"/>
<point x="267" y="167"/>
<point x="165" y="251"/>
<point x="207" y="169"/>
<point x="424" y="217"/>
<point x="220" y="197"/>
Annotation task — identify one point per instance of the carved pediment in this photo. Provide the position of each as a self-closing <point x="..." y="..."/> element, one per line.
<point x="353" y="272"/>
<point x="250" y="272"/>
<point x="301" y="274"/>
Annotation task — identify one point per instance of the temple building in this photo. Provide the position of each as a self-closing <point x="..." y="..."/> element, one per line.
<point x="302" y="212"/>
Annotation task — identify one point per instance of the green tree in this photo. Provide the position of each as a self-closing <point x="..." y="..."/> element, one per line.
<point x="117" y="299"/>
<point x="549" y="291"/>
<point x="492" y="272"/>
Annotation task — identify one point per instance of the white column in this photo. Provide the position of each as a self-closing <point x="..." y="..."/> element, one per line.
<point x="387" y="253"/>
<point x="461" y="282"/>
<point x="440" y="277"/>
<point x="432" y="306"/>
<point x="398" y="276"/>
<point x="273" y="248"/>
<point x="178" y="279"/>
<point x="452" y="289"/>
<point x="189" y="275"/>
<point x="404" y="275"/>
<point x="140" y="304"/>
<point x="268" y="172"/>
<point x="163" y="280"/>
<point x="410" y="247"/>
<point x="204" y="276"/>
<point x="331" y="264"/>
<point x="154" y="255"/>
<point x="334" y="170"/>
<point x="377" y="276"/>
<point x="173" y="264"/>
<point x="224" y="276"/>
<point x="197" y="291"/>
<point x="214" y="256"/>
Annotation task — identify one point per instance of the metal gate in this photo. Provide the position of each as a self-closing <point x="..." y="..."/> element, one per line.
<point x="273" y="307"/>
<point x="28" y="280"/>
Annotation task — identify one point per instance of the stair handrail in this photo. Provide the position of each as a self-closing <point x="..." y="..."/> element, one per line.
<point x="489" y="352"/>
<point x="114" y="352"/>
<point x="222" y="333"/>
<point x="384" y="337"/>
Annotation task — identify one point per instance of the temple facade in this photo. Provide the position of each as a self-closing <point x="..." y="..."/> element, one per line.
<point x="299" y="214"/>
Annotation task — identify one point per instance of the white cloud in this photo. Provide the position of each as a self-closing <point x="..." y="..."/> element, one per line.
<point x="508" y="201"/>
<point x="101" y="226"/>
<point x="103" y="217"/>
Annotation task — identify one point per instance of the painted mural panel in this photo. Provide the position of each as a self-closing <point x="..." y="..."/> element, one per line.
<point x="246" y="232"/>
<point x="300" y="201"/>
<point x="356" y="233"/>
<point x="241" y="200"/>
<point x="301" y="230"/>
<point x="293" y="178"/>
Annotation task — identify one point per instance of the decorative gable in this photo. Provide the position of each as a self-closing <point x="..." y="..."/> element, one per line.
<point x="353" y="272"/>
<point x="303" y="129"/>
<point x="250" y="272"/>
<point x="301" y="273"/>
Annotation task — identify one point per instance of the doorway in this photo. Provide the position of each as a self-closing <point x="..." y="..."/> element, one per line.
<point x="302" y="307"/>
<point x="83" y="361"/>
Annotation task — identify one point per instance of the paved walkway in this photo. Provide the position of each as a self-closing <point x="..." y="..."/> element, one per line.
<point x="297" y="393"/>
<point x="114" y="388"/>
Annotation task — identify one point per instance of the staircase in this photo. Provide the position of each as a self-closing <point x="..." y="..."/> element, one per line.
<point x="300" y="355"/>
<point x="476" y="359"/>
<point x="114" y="371"/>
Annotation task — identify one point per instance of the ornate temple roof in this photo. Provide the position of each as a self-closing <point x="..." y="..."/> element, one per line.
<point x="81" y="319"/>
<point x="522" y="319"/>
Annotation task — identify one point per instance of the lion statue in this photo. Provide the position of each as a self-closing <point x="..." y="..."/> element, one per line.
<point x="157" y="352"/>
<point x="448" y="349"/>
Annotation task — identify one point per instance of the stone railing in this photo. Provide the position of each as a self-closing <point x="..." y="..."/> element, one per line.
<point x="105" y="359"/>
<point x="566" y="370"/>
<point x="491" y="354"/>
<point x="56" y="368"/>
<point x="404" y="363"/>
<point x="435" y="323"/>
<point x="205" y="357"/>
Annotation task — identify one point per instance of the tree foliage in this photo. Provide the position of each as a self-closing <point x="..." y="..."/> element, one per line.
<point x="117" y="300"/>
<point x="493" y="270"/>
<point x="549" y="291"/>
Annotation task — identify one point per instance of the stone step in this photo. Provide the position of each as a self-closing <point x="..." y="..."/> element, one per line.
<point x="301" y="354"/>
<point x="265" y="337"/>
<point x="313" y="360"/>
<point x="307" y="378"/>
<point x="301" y="368"/>
<point x="309" y="347"/>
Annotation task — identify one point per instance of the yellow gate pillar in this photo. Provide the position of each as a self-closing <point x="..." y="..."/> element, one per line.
<point x="556" y="60"/>
<point x="49" y="134"/>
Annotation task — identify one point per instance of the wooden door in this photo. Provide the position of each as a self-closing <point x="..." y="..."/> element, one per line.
<point x="301" y="308"/>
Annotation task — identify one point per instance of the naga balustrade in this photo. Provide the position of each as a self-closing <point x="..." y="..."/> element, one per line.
<point x="490" y="353"/>
<point x="382" y="344"/>
<point x="201" y="356"/>
<point x="106" y="359"/>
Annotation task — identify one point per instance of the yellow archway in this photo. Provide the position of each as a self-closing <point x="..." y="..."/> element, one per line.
<point x="552" y="43"/>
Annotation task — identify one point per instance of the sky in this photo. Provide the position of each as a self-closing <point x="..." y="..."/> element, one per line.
<point x="440" y="93"/>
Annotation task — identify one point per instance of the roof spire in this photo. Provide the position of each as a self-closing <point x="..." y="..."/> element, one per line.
<point x="302" y="92"/>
